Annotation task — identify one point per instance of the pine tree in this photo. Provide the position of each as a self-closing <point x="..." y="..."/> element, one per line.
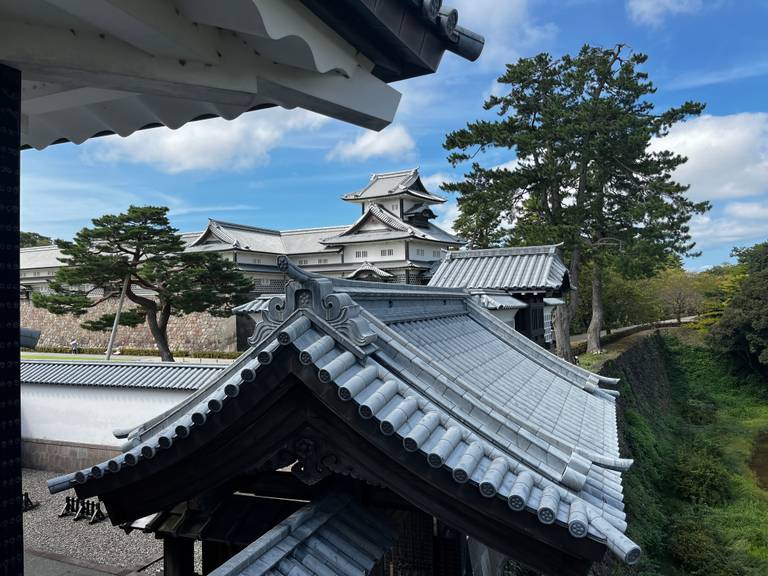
<point x="581" y="127"/>
<point x="163" y="279"/>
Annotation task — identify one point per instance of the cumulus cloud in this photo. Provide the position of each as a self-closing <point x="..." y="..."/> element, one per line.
<point x="433" y="181"/>
<point x="726" y="230"/>
<point x="446" y="215"/>
<point x="652" y="12"/>
<point x="727" y="155"/>
<point x="394" y="143"/>
<point x="214" y="144"/>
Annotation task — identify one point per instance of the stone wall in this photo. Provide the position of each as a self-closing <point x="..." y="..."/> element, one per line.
<point x="191" y="332"/>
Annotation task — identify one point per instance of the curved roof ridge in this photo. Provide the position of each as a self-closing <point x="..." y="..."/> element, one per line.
<point x="495" y="472"/>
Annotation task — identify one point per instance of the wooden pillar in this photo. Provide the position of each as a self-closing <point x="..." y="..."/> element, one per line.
<point x="11" y="541"/>
<point x="178" y="556"/>
<point x="448" y="558"/>
<point x="214" y="555"/>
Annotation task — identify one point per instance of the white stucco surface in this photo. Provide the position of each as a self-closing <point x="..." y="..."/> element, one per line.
<point x="88" y="414"/>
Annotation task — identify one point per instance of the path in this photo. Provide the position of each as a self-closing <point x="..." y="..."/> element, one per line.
<point x="38" y="563"/>
<point x="578" y="338"/>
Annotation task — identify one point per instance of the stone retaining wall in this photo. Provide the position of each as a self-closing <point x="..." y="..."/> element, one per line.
<point x="192" y="332"/>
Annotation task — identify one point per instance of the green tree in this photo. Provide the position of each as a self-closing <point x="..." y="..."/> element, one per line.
<point x="31" y="239"/>
<point x="679" y="292"/>
<point x="163" y="279"/>
<point x="580" y="127"/>
<point x="742" y="331"/>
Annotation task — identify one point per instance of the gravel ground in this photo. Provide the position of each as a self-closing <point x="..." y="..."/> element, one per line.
<point x="102" y="542"/>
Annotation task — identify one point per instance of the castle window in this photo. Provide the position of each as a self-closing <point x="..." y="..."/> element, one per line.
<point x="322" y="260"/>
<point x="387" y="252"/>
<point x="419" y="251"/>
<point x="303" y="261"/>
<point x="436" y="253"/>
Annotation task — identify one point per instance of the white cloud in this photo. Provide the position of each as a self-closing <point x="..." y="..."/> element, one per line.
<point x="709" y="231"/>
<point x="394" y="143"/>
<point x="652" y="12"/>
<point x="446" y="215"/>
<point x="214" y="144"/>
<point x="727" y="155"/>
<point x="749" y="211"/>
<point x="433" y="181"/>
<point x="698" y="79"/>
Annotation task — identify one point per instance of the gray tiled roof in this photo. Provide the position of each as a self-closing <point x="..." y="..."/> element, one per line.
<point x="367" y="267"/>
<point x="260" y="304"/>
<point x="480" y="402"/>
<point x="395" y="229"/>
<point x="386" y="184"/>
<point x="173" y="376"/>
<point x="498" y="301"/>
<point x="227" y="236"/>
<point x="335" y="536"/>
<point x="515" y="269"/>
<point x="39" y="257"/>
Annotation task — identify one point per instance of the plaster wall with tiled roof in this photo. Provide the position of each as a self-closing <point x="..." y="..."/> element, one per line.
<point x="448" y="382"/>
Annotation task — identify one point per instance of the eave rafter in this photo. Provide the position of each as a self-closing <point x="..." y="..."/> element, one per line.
<point x="147" y="60"/>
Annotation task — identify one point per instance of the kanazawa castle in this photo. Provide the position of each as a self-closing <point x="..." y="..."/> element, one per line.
<point x="394" y="240"/>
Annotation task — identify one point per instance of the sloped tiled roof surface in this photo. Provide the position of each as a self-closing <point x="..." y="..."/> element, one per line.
<point x="516" y="269"/>
<point x="226" y="235"/>
<point x="333" y="536"/>
<point x="394" y="228"/>
<point x="308" y="240"/>
<point x="479" y="402"/>
<point x="367" y="267"/>
<point x="386" y="184"/>
<point x="495" y="301"/>
<point x="39" y="257"/>
<point x="171" y="376"/>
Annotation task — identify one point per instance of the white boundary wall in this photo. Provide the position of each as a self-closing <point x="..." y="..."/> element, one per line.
<point x="88" y="414"/>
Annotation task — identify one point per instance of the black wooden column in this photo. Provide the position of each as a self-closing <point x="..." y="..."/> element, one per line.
<point x="178" y="556"/>
<point x="11" y="542"/>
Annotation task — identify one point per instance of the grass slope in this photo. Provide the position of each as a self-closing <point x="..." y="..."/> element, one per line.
<point x="692" y="500"/>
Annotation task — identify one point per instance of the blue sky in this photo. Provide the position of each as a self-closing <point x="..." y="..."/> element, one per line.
<point x="287" y="169"/>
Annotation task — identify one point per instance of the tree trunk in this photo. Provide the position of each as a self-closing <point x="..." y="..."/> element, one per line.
<point x="563" y="333"/>
<point x="160" y="334"/>
<point x="596" y="322"/>
<point x="564" y="314"/>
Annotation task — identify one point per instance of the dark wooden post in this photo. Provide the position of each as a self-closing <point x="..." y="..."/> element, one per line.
<point x="11" y="541"/>
<point x="214" y="555"/>
<point x="178" y="556"/>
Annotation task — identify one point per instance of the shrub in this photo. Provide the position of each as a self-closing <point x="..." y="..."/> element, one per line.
<point x="699" y="475"/>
